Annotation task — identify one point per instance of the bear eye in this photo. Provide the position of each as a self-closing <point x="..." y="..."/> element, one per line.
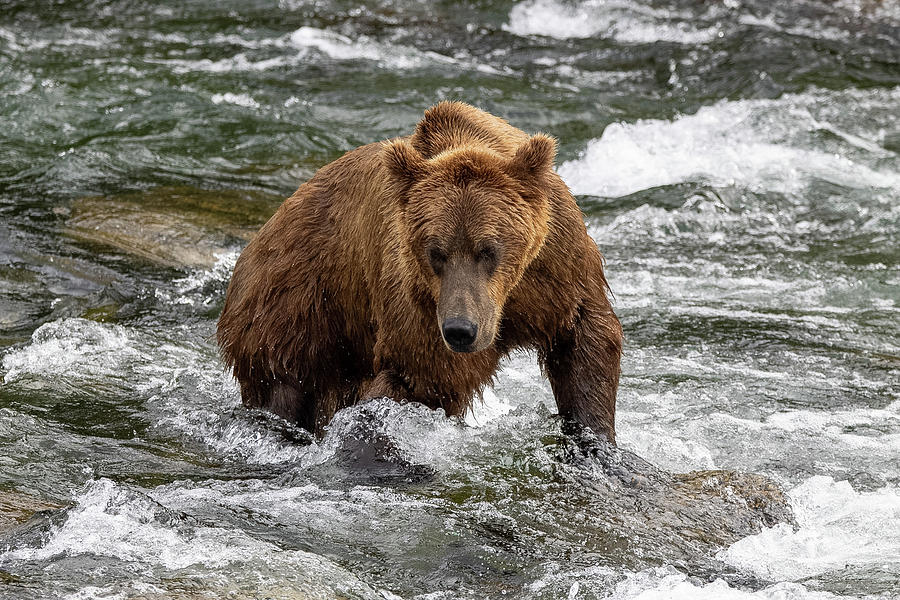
<point x="437" y="259"/>
<point x="488" y="257"/>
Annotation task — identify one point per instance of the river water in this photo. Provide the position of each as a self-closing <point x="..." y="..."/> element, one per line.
<point x="738" y="163"/>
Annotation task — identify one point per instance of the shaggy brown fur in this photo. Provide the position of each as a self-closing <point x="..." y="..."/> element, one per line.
<point x="409" y="268"/>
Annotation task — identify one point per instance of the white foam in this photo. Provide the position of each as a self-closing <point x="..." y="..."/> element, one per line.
<point x="198" y="400"/>
<point x="254" y="443"/>
<point x="93" y="592"/>
<point x="192" y="288"/>
<point x="313" y="509"/>
<point x="836" y="420"/>
<point x="711" y="220"/>
<point x="417" y="433"/>
<point x="109" y="521"/>
<point x="490" y="407"/>
<point x="221" y="39"/>
<point x="334" y="44"/>
<point x="838" y="528"/>
<point x="638" y="21"/>
<point x="751" y="143"/>
<point x="238" y="62"/>
<point x="714" y="282"/>
<point x="813" y="296"/>
<point x="308" y="43"/>
<point x="558" y="578"/>
<point x="801" y="26"/>
<point x="879" y="12"/>
<point x="73" y="348"/>
<point x="297" y="48"/>
<point x="667" y="583"/>
<point x="114" y="521"/>
<point x="84" y="352"/>
<point x="869" y="431"/>
<point x="342" y="47"/>
<point x="813" y="321"/>
<point x="244" y="100"/>
<point x="627" y="22"/>
<point x="185" y="384"/>
<point x="82" y="36"/>
<point x="660" y="445"/>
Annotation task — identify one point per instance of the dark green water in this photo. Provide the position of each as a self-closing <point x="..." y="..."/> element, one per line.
<point x="739" y="166"/>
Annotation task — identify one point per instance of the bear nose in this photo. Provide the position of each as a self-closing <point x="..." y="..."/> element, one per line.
<point x="459" y="333"/>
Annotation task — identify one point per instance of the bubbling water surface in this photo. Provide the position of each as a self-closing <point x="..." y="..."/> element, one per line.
<point x="738" y="164"/>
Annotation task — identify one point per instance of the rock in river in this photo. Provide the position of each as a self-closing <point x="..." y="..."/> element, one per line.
<point x="171" y="226"/>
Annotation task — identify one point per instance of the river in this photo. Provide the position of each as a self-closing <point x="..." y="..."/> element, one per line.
<point x="738" y="163"/>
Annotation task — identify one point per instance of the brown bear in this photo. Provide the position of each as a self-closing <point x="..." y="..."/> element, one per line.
<point x="408" y="269"/>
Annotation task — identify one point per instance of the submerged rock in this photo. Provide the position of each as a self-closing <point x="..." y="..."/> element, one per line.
<point x="175" y="227"/>
<point x="759" y="501"/>
<point x="315" y="578"/>
<point x="675" y="518"/>
<point x="557" y="495"/>
<point x="280" y="592"/>
<point x="16" y="508"/>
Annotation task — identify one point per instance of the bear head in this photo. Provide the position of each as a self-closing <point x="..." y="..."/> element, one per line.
<point x="471" y="222"/>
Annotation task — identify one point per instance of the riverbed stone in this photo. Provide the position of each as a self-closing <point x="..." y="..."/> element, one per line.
<point x="673" y="517"/>
<point x="17" y="507"/>
<point x="763" y="501"/>
<point x="171" y="226"/>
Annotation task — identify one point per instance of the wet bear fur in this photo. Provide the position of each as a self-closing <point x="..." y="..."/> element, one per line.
<point x="408" y="269"/>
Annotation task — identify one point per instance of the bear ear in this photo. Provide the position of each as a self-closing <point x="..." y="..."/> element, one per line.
<point x="403" y="161"/>
<point x="534" y="158"/>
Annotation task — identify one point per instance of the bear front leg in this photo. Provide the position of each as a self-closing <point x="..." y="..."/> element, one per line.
<point x="582" y="364"/>
<point x="386" y="384"/>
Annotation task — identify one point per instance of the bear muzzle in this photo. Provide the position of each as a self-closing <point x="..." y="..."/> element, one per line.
<point x="460" y="334"/>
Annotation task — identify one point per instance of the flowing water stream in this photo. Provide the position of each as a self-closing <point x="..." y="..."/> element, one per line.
<point x="738" y="162"/>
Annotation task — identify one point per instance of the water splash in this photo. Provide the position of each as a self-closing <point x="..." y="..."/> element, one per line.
<point x="168" y="547"/>
<point x="627" y="22"/>
<point x="667" y="583"/>
<point x="839" y="529"/>
<point x="763" y="145"/>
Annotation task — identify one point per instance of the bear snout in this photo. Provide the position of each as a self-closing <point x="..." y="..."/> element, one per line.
<point x="459" y="333"/>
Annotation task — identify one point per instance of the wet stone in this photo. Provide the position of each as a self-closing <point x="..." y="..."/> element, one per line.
<point x="761" y="499"/>
<point x="176" y="227"/>
<point x="672" y="517"/>
<point x="598" y="498"/>
<point x="17" y="508"/>
<point x="365" y="451"/>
